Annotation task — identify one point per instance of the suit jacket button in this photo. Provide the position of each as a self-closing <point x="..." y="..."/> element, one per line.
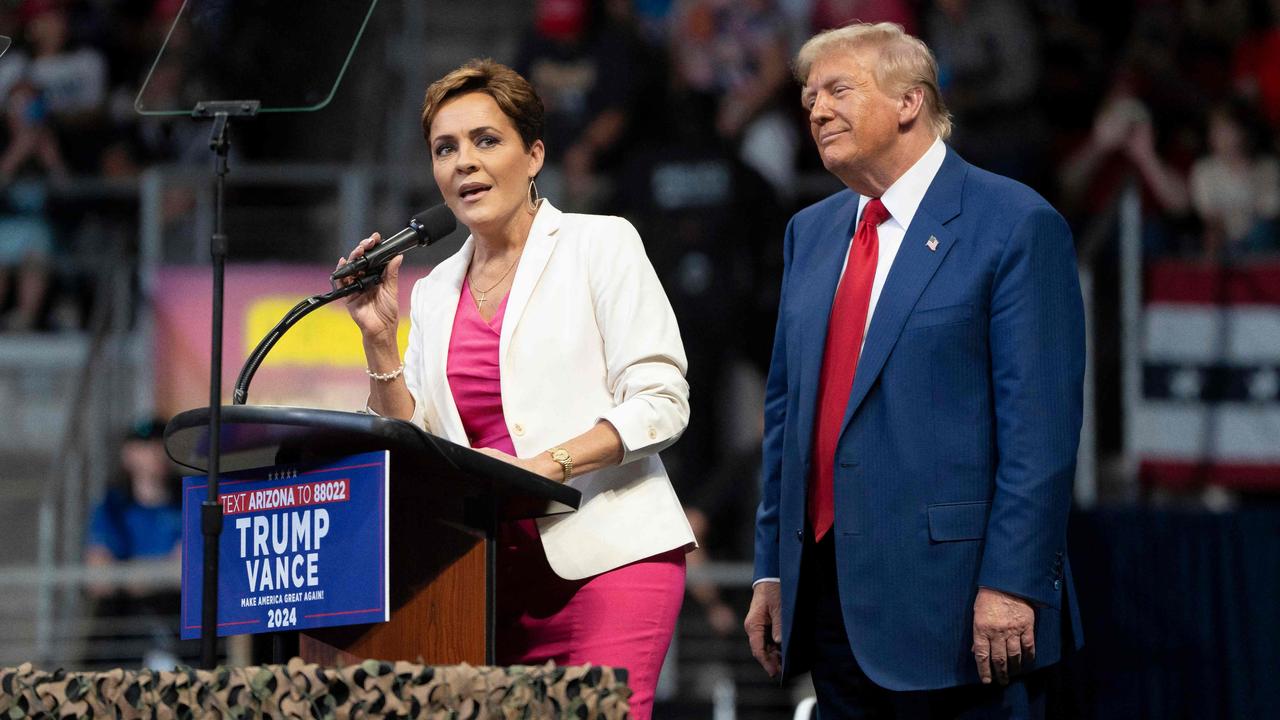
<point x="1057" y="584"/>
<point x="800" y="535"/>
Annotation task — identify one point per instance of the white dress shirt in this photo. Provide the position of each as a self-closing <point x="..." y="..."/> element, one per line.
<point x="902" y="199"/>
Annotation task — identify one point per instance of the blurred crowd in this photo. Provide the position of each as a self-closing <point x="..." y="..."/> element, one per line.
<point x="1074" y="98"/>
<point x="683" y="114"/>
<point x="67" y="88"/>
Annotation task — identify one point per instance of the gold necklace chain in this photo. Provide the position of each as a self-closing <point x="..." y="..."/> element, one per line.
<point x="483" y="293"/>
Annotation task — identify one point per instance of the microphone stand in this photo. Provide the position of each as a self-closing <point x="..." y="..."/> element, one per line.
<point x="220" y="112"/>
<point x="240" y="395"/>
<point x="361" y="282"/>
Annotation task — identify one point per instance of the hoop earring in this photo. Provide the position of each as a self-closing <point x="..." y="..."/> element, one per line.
<point x="534" y="197"/>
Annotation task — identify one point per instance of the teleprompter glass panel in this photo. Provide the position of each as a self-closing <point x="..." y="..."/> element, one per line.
<point x="290" y="56"/>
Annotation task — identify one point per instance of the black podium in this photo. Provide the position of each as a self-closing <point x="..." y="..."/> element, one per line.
<point x="446" y="503"/>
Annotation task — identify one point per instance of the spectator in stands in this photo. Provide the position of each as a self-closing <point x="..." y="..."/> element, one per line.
<point x="1122" y="147"/>
<point x="653" y="18"/>
<point x="1235" y="189"/>
<point x="70" y="83"/>
<point x="139" y="519"/>
<point x="737" y="53"/>
<point x="584" y="59"/>
<point x="1257" y="61"/>
<point x="989" y="66"/>
<point x="31" y="141"/>
<point x="827" y="14"/>
<point x="141" y="515"/>
<point x="26" y="243"/>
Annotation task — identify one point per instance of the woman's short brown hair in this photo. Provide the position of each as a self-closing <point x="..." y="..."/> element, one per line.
<point x="515" y="96"/>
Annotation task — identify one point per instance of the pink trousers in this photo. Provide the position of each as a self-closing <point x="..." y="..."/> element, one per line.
<point x="623" y="618"/>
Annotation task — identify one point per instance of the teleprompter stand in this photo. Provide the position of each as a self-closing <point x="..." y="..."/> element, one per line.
<point x="220" y="113"/>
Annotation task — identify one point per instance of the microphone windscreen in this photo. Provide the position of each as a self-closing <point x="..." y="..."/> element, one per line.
<point x="436" y="222"/>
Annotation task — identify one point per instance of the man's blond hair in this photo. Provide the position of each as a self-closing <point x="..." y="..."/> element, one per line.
<point x="904" y="62"/>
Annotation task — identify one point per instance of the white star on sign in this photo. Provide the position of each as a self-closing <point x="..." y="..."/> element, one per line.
<point x="1186" y="383"/>
<point x="1263" y="384"/>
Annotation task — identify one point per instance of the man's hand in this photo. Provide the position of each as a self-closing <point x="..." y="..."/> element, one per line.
<point x="1003" y="634"/>
<point x="764" y="626"/>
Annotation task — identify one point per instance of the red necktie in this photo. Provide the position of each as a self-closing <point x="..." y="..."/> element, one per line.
<point x="840" y="360"/>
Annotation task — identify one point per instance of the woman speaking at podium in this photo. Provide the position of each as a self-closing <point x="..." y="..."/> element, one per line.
<point x="545" y="341"/>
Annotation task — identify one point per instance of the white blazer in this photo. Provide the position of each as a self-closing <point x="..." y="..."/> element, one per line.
<point x="588" y="334"/>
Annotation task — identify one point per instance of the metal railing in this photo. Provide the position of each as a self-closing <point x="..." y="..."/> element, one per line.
<point x="101" y="399"/>
<point x="1131" y="321"/>
<point x="1120" y="222"/>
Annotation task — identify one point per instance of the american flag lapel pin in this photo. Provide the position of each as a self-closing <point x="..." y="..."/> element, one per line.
<point x="933" y="244"/>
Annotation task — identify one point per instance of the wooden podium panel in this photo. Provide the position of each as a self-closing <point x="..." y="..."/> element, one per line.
<point x="443" y="621"/>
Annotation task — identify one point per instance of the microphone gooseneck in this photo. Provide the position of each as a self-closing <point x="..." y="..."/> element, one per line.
<point x="425" y="228"/>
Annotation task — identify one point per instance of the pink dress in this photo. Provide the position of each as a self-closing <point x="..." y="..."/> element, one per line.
<point x="623" y="618"/>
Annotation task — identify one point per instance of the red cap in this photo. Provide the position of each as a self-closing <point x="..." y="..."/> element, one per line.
<point x="32" y="9"/>
<point x="560" y="19"/>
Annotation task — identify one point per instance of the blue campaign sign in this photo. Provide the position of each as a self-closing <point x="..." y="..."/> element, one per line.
<point x="301" y="547"/>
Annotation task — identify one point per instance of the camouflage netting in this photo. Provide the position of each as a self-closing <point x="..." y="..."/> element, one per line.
<point x="371" y="689"/>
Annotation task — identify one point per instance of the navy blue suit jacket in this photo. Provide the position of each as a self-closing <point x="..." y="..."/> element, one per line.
<point x="957" y="454"/>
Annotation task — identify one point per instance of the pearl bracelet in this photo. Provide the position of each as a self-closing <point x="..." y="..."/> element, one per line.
<point x="386" y="376"/>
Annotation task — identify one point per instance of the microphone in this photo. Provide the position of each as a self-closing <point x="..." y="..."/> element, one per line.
<point x="425" y="228"/>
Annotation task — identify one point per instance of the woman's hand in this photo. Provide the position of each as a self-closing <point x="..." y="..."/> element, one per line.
<point x="376" y="310"/>
<point x="599" y="447"/>
<point x="550" y="469"/>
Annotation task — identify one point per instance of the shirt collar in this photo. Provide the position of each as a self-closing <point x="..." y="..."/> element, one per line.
<point x="904" y="196"/>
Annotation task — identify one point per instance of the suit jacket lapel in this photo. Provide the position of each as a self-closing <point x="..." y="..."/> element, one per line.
<point x="820" y="276"/>
<point x="537" y="251"/>
<point x="446" y="283"/>
<point x="912" y="270"/>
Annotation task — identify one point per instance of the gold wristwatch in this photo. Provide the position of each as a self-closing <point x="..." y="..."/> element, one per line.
<point x="563" y="457"/>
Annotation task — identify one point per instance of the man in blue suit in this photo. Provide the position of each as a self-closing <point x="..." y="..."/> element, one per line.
<point x="922" y="412"/>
